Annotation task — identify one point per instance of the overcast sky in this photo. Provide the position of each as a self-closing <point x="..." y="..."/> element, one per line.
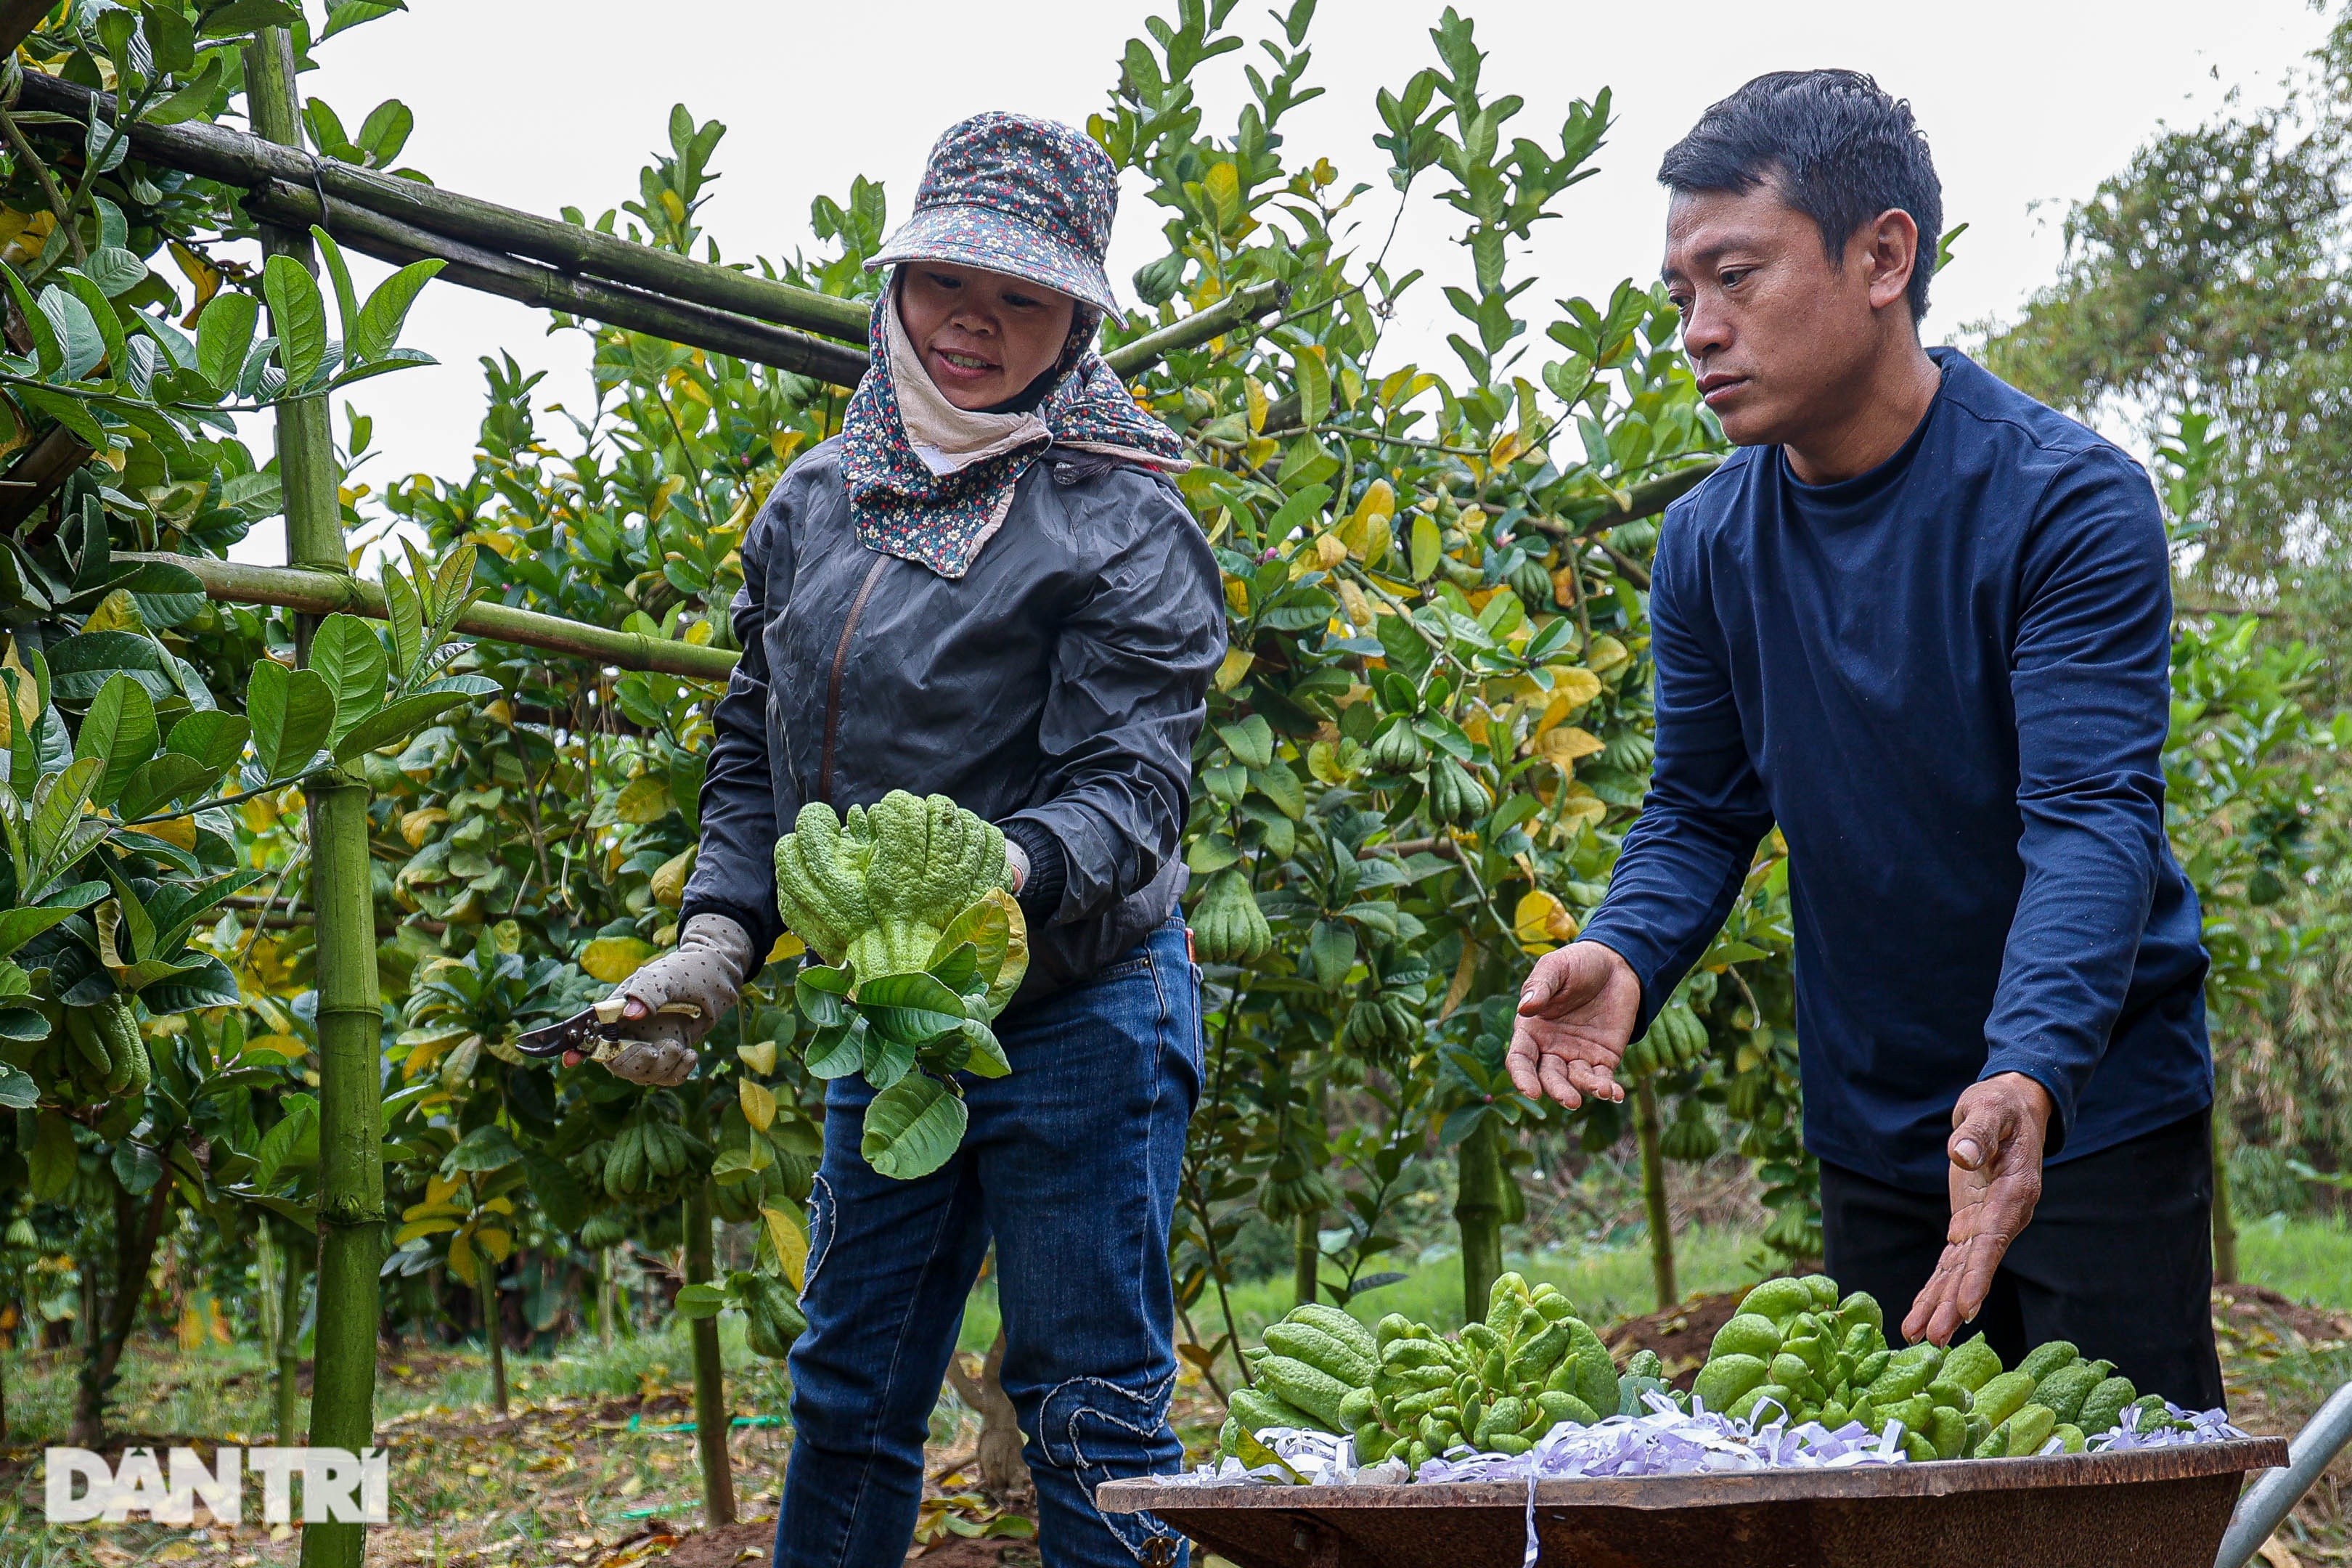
<point x="542" y="103"/>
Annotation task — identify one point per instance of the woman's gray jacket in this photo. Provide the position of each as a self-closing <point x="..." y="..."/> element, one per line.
<point x="1061" y="682"/>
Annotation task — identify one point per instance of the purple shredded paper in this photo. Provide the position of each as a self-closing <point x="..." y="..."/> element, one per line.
<point x="1667" y="1441"/>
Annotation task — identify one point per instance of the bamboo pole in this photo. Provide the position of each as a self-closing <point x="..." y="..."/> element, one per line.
<point x="565" y="266"/>
<point x="350" y="1018"/>
<point x="711" y="1417"/>
<point x="671" y="317"/>
<point x="1654" y="1195"/>
<point x="235" y="157"/>
<point x="321" y="592"/>
<point x="1478" y="1205"/>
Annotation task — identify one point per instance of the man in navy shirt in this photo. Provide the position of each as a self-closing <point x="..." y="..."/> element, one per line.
<point x="1923" y="624"/>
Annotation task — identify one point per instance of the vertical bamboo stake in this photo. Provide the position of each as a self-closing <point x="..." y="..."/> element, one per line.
<point x="351" y="1152"/>
<point x="494" y="1339"/>
<point x="1479" y="1202"/>
<point x="1306" y="1255"/>
<point x="711" y="1416"/>
<point x="1654" y="1195"/>
<point x="607" y="1297"/>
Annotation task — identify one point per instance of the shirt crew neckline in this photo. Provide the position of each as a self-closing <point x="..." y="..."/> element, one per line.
<point x="1870" y="482"/>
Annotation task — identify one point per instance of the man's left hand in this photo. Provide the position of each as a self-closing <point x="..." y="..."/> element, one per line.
<point x="1998" y="1129"/>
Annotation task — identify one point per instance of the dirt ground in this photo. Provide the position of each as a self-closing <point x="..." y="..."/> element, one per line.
<point x="607" y="1482"/>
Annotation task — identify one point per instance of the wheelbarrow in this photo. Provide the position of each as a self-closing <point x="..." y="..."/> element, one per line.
<point x="2151" y="1508"/>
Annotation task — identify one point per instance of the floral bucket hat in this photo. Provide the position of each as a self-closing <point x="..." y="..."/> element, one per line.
<point x="1027" y="197"/>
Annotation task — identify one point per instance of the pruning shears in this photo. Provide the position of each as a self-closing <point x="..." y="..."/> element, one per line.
<point x="594" y="1034"/>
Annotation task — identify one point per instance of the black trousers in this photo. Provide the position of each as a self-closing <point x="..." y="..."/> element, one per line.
<point x="2118" y="1259"/>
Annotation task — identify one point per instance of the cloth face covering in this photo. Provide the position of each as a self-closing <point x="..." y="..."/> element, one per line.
<point x="931" y="483"/>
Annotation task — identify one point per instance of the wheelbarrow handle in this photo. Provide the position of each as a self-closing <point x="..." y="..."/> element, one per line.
<point x="2269" y="1500"/>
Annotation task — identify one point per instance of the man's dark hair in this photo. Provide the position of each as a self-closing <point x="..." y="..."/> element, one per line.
<point x="1840" y="147"/>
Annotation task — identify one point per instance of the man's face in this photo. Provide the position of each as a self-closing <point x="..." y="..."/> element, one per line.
<point x="1780" y="336"/>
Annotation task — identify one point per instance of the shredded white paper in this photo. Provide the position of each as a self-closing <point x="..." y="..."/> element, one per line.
<point x="1668" y="1441"/>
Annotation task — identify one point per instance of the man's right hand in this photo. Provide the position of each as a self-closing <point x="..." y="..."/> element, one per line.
<point x="1577" y="1014"/>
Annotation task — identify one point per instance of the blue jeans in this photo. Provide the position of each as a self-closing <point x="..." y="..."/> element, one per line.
<point x="1071" y="1163"/>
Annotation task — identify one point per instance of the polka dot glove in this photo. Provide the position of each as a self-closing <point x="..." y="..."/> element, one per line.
<point x="675" y="1000"/>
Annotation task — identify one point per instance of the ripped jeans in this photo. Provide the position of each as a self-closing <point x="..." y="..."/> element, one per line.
<point x="1071" y="1164"/>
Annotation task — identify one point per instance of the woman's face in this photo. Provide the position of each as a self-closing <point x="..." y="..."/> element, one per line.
<point x="983" y="336"/>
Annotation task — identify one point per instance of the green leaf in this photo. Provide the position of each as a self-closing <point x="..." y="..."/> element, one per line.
<point x="909" y="991"/>
<point x="100" y="310"/>
<point x="348" y="657"/>
<point x="1279" y="784"/>
<point x="486" y="1148"/>
<point x="396" y="720"/>
<point x="53" y="1158"/>
<point x="80" y="665"/>
<point x="215" y="738"/>
<point x="57" y="802"/>
<point x="47" y="352"/>
<point x="1314" y="380"/>
<point x="119" y="731"/>
<point x="20" y="926"/>
<point x="405" y="612"/>
<point x="386" y="131"/>
<point x="1251" y="741"/>
<point x="192" y="99"/>
<point x="241" y="16"/>
<point x="386" y="311"/>
<point x="703" y="1300"/>
<point x="208" y="985"/>
<point x="292" y="710"/>
<point x="17" y="1090"/>
<point x="818" y="990"/>
<point x="224" y="334"/>
<point x="338" y="272"/>
<point x="298" y="315"/>
<point x="912" y="1128"/>
<point x="76" y="330"/>
<point x="836" y="1051"/>
<point x="987" y="1059"/>
<point x="345" y="13"/>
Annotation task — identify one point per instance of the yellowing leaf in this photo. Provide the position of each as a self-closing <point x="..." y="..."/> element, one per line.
<point x="276" y="1045"/>
<point x="784" y="443"/>
<point x="1562" y="745"/>
<point x="1508" y="447"/>
<point x="416" y="825"/>
<point x="1255" y="392"/>
<point x="1236" y="665"/>
<point x="1359" y="608"/>
<point x="115" y="613"/>
<point x="758" y="1102"/>
<point x="644" y="799"/>
<point x="1605" y="654"/>
<point x="1329" y="551"/>
<point x="1224" y="185"/>
<point x="1574" y="684"/>
<point x="1323" y="761"/>
<point x="791" y="1243"/>
<point x="461" y="1257"/>
<point x="498" y="1244"/>
<point x="1428" y="546"/>
<point x="1236" y="596"/>
<point x="1541" y="921"/>
<point x="613" y="959"/>
<point x="441" y="1189"/>
<point x="669" y="880"/>
<point x="760" y="1058"/>
<point x="787" y="946"/>
<point x="176" y="830"/>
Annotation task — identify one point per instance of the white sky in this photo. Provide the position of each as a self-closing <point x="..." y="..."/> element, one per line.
<point x="540" y="103"/>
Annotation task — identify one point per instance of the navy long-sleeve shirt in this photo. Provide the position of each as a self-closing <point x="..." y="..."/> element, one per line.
<point x="1945" y="679"/>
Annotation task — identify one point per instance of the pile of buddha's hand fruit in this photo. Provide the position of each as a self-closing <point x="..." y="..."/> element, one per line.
<point x="1796" y="1352"/>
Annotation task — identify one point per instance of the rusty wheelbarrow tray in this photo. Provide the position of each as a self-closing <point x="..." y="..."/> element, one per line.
<point x="2151" y="1508"/>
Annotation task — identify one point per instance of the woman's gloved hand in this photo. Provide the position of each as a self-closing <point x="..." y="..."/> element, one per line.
<point x="675" y="1000"/>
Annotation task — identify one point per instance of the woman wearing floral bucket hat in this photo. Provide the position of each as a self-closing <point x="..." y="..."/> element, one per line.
<point x="986" y="587"/>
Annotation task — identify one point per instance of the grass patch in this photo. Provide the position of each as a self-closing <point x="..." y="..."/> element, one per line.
<point x="2307" y="1260"/>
